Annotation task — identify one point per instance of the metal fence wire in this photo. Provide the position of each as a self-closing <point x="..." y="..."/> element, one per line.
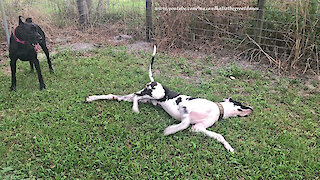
<point x="285" y="33"/>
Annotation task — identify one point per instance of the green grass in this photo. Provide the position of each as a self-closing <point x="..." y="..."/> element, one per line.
<point x="55" y="134"/>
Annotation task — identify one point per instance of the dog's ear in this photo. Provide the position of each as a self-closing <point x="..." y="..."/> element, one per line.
<point x="29" y="20"/>
<point x="20" y="21"/>
<point x="227" y="99"/>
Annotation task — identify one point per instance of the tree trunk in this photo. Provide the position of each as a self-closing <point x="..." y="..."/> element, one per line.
<point x="89" y="6"/>
<point x="149" y="20"/>
<point x="83" y="16"/>
<point x="99" y="8"/>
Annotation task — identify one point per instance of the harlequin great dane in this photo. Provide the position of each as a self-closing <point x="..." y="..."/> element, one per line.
<point x="202" y="113"/>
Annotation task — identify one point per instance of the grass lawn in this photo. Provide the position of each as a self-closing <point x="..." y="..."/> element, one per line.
<point x="55" y="134"/>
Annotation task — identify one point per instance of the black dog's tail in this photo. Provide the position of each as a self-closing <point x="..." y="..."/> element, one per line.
<point x="151" y="64"/>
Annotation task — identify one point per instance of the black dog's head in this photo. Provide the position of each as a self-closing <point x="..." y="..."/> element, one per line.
<point x="28" y="31"/>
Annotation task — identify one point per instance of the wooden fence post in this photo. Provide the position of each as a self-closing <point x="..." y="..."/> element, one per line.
<point x="5" y="22"/>
<point x="260" y="17"/>
<point x="149" y="20"/>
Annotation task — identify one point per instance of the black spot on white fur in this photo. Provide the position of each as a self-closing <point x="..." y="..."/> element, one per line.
<point x="185" y="111"/>
<point x="236" y="103"/>
<point x="153" y="85"/>
<point x="148" y="90"/>
<point x="178" y="101"/>
<point x="191" y="98"/>
<point x="168" y="94"/>
<point x="145" y="91"/>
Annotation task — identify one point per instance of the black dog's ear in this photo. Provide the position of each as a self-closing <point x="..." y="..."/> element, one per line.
<point x="20" y="21"/>
<point x="29" y="20"/>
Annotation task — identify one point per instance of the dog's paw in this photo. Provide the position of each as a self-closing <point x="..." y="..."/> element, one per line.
<point x="90" y="98"/>
<point x="12" y="88"/>
<point x="42" y="87"/>
<point x="167" y="132"/>
<point x="229" y="148"/>
<point x="136" y="109"/>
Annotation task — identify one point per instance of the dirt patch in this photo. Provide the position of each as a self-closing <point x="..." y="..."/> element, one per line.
<point x="3" y="52"/>
<point x="78" y="47"/>
<point x="122" y="37"/>
<point x="139" y="46"/>
<point x="6" y="70"/>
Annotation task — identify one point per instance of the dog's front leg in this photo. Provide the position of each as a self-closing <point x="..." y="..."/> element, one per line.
<point x="185" y="122"/>
<point x="128" y="97"/>
<point x="177" y="127"/>
<point x="135" y="106"/>
<point x="31" y="67"/>
<point x="13" y="67"/>
<point x="218" y="137"/>
<point x="37" y="65"/>
<point x="136" y="99"/>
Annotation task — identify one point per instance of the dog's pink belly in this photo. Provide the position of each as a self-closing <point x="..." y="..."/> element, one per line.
<point x="197" y="117"/>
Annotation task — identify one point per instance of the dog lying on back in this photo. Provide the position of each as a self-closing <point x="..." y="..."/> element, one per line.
<point x="200" y="112"/>
<point x="24" y="42"/>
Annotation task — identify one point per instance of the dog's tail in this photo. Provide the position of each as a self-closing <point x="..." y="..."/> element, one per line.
<point x="151" y="64"/>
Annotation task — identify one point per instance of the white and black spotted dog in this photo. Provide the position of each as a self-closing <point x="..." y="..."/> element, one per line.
<point x="200" y="112"/>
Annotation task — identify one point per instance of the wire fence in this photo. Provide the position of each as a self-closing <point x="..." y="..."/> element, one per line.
<point x="128" y="15"/>
<point x="284" y="33"/>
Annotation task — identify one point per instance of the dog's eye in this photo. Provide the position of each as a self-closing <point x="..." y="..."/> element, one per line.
<point x="239" y="109"/>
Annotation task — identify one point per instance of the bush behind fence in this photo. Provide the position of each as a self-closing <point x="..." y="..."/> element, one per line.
<point x="289" y="37"/>
<point x="284" y="33"/>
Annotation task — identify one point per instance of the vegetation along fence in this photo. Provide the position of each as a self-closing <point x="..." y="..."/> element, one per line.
<point x="284" y="33"/>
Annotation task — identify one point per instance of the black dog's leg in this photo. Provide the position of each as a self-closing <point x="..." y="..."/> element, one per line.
<point x="13" y="63"/>
<point x="46" y="51"/>
<point x="31" y="66"/>
<point x="37" y="65"/>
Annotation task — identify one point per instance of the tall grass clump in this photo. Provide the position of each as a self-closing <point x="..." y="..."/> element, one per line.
<point x="289" y="39"/>
<point x="291" y="34"/>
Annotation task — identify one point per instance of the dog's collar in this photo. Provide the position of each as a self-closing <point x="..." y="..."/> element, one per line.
<point x="15" y="37"/>
<point x="221" y="111"/>
<point x="36" y="46"/>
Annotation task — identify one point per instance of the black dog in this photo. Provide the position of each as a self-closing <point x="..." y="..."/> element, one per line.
<point x="24" y="42"/>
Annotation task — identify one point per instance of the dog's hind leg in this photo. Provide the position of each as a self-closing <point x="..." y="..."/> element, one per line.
<point x="46" y="51"/>
<point x="218" y="137"/>
<point x="13" y="66"/>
